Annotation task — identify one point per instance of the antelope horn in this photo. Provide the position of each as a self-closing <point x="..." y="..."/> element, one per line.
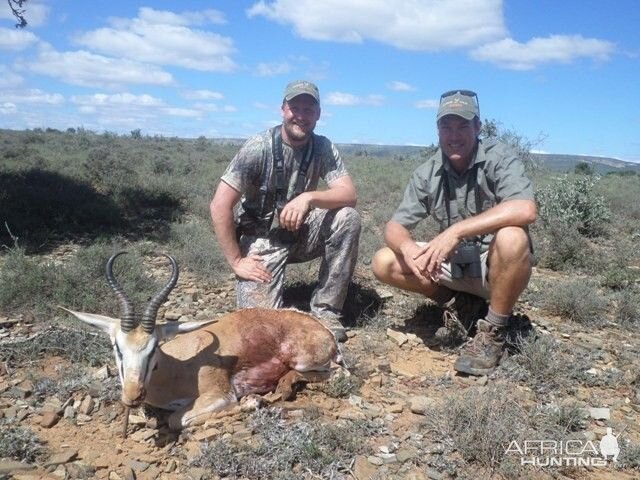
<point x="150" y="313"/>
<point x="127" y="318"/>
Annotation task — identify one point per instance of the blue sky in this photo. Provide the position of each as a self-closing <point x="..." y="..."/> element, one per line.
<point x="568" y="70"/>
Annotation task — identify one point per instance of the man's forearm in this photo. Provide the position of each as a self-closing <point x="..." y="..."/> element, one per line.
<point x="512" y="213"/>
<point x="395" y="235"/>
<point x="225" y="230"/>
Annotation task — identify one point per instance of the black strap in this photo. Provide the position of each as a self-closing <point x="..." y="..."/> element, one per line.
<point x="278" y="159"/>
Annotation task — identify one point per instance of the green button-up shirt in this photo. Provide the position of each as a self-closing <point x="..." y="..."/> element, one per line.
<point x="495" y="174"/>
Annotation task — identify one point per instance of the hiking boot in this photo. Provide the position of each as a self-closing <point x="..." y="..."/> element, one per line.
<point x="461" y="314"/>
<point x="333" y="324"/>
<point x="481" y="354"/>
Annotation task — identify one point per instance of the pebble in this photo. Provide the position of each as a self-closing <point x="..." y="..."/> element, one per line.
<point x="49" y="419"/>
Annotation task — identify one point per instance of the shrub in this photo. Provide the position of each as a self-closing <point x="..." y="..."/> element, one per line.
<point x="627" y="311"/>
<point x="573" y="200"/>
<point x="286" y="451"/>
<point x="480" y="424"/>
<point x="19" y="443"/>
<point x="577" y="300"/>
<point x="561" y="246"/>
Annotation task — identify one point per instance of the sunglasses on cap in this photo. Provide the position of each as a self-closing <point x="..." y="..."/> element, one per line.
<point x="465" y="93"/>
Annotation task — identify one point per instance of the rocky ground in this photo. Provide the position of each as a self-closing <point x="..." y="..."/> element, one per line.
<point x="402" y="377"/>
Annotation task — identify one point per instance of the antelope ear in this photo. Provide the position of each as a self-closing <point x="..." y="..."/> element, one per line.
<point x="167" y="331"/>
<point x="102" y="322"/>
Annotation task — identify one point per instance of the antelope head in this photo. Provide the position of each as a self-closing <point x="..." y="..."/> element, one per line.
<point x="135" y="339"/>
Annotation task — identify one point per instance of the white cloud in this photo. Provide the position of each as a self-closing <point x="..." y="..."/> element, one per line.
<point x="127" y="109"/>
<point x="16" y="39"/>
<point x="162" y="38"/>
<point x="212" y="107"/>
<point x="514" y="55"/>
<point x="342" y="99"/>
<point x="271" y="69"/>
<point x="427" y="104"/>
<point x="405" y="24"/>
<point x="398" y="86"/>
<point x="91" y="70"/>
<point x="202" y="95"/>
<point x="117" y="99"/>
<point x="8" y="108"/>
<point x="34" y="13"/>
<point x="9" y="79"/>
<point x="185" y="18"/>
<point x="33" y="96"/>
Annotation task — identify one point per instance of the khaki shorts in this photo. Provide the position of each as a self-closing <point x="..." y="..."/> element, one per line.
<point x="476" y="286"/>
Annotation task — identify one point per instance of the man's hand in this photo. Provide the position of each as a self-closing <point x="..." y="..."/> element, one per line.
<point x="293" y="213"/>
<point x="251" y="268"/>
<point x="433" y="254"/>
<point x="410" y="250"/>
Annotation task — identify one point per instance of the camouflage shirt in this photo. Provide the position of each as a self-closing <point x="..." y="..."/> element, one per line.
<point x="252" y="173"/>
<point x="495" y="174"/>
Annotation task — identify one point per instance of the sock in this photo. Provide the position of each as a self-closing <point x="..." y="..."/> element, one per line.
<point x="497" y="319"/>
<point x="442" y="295"/>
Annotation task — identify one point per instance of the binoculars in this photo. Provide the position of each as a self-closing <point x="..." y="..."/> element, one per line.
<point x="466" y="260"/>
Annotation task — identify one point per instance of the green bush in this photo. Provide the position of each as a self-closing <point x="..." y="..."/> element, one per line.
<point x="560" y="246"/>
<point x="574" y="201"/>
<point x="627" y="312"/>
<point x="19" y="443"/>
<point x="576" y="300"/>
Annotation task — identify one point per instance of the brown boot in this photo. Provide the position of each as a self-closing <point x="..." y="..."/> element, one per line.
<point x="461" y="314"/>
<point x="481" y="354"/>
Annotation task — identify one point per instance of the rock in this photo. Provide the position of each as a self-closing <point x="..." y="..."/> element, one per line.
<point x="405" y="454"/>
<point x="60" y="472"/>
<point x="434" y="474"/>
<point x="600" y="413"/>
<point x="173" y="314"/>
<point x="374" y="460"/>
<point x="82" y="418"/>
<point x="387" y="457"/>
<point x="17" y="393"/>
<point x="62" y="457"/>
<point x="398" y="337"/>
<point x="114" y="476"/>
<point x="421" y="404"/>
<point x="102" y="373"/>
<point x="7" y="466"/>
<point x="137" y="420"/>
<point x="207" y="435"/>
<point x="69" y="412"/>
<point x="138" y="466"/>
<point x="49" y="419"/>
<point x="395" y="408"/>
<point x="170" y="466"/>
<point x="197" y="473"/>
<point x="142" y="435"/>
<point x="362" y="469"/>
<point x="86" y="406"/>
<point x="129" y="474"/>
<point x="79" y="470"/>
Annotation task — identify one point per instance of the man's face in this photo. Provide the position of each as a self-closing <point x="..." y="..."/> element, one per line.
<point x="299" y="117"/>
<point x="458" y="137"/>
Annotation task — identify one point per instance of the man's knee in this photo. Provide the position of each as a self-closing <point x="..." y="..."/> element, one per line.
<point x="382" y="264"/>
<point x="348" y="218"/>
<point x="511" y="243"/>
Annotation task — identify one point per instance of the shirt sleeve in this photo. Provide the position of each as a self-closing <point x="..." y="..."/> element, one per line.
<point x="511" y="181"/>
<point x="415" y="203"/>
<point x="246" y="166"/>
<point x="332" y="166"/>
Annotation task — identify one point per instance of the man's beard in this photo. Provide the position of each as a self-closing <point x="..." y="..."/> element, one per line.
<point x="296" y="133"/>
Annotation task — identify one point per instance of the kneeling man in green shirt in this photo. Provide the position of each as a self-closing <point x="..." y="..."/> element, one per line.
<point x="478" y="193"/>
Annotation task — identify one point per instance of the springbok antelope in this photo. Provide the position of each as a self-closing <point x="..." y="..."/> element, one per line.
<point x="197" y="368"/>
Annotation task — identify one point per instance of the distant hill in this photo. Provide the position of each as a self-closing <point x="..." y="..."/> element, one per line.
<point x="557" y="162"/>
<point x="600" y="164"/>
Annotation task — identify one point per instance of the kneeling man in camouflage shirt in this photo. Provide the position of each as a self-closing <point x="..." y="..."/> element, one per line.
<point x="478" y="193"/>
<point x="280" y="215"/>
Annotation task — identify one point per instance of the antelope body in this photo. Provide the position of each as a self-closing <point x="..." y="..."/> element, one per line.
<point x="198" y="368"/>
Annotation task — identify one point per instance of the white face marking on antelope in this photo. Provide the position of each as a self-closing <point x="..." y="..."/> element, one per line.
<point x="135" y="353"/>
